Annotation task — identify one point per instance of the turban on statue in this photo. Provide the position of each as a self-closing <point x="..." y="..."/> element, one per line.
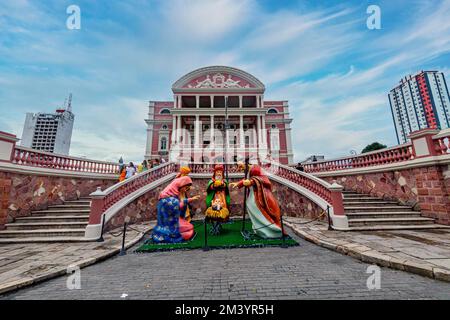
<point x="184" y="171"/>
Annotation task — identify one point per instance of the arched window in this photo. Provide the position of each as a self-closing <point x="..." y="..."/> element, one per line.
<point x="165" y="111"/>
<point x="163" y="143"/>
<point x="164" y="127"/>
<point x="272" y="110"/>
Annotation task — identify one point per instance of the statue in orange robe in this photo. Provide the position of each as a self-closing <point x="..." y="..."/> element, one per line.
<point x="262" y="207"/>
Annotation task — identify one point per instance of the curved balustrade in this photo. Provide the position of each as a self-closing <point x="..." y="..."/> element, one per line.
<point x="120" y="190"/>
<point x="208" y="167"/>
<point x="395" y="154"/>
<point x="317" y="186"/>
<point x="35" y="158"/>
<point x="442" y="142"/>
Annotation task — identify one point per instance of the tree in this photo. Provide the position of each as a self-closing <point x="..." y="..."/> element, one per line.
<point x="373" y="146"/>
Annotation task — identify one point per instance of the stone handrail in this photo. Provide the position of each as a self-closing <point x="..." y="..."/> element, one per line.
<point x="208" y="167"/>
<point x="122" y="189"/>
<point x="400" y="153"/>
<point x="442" y="142"/>
<point x="330" y="193"/>
<point x="105" y="204"/>
<point x="35" y="158"/>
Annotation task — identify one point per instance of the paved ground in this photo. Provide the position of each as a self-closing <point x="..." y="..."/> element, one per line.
<point x="22" y="264"/>
<point x="425" y="252"/>
<point x="305" y="272"/>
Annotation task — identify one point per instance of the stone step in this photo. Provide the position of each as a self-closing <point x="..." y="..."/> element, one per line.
<point x="373" y="203"/>
<point x="45" y="225"/>
<point x="42" y="233"/>
<point x="364" y="198"/>
<point x="60" y="212"/>
<point x="69" y="206"/>
<point x="43" y="240"/>
<point x="85" y="202"/>
<point x="358" y="196"/>
<point x="389" y="221"/>
<point x="376" y="209"/>
<point x="398" y="227"/>
<point x="63" y="218"/>
<point x="357" y="215"/>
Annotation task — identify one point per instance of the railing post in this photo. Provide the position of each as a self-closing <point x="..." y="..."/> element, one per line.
<point x="423" y="144"/>
<point x="7" y="146"/>
<point x="336" y="199"/>
<point x="97" y="202"/>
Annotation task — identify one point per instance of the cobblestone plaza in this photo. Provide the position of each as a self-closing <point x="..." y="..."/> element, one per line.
<point x="304" y="272"/>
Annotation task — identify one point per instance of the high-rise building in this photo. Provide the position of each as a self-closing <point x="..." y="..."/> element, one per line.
<point x="50" y="132"/>
<point x="420" y="101"/>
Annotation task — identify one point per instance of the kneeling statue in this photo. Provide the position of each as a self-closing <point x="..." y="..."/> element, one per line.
<point x="172" y="205"/>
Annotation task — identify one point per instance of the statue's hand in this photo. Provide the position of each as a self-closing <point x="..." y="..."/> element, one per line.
<point x="247" y="183"/>
<point x="233" y="185"/>
<point x="217" y="183"/>
<point x="195" y="198"/>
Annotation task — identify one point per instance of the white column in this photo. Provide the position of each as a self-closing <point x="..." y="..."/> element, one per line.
<point x="197" y="101"/>
<point x="258" y="129"/>
<point x="263" y="131"/>
<point x="241" y="132"/>
<point x="240" y="102"/>
<point x="179" y="101"/>
<point x="257" y="101"/>
<point x="212" y="101"/>
<point x="211" y="127"/>
<point x="287" y="132"/>
<point x="174" y="126"/>
<point x="197" y="132"/>
<point x="178" y="134"/>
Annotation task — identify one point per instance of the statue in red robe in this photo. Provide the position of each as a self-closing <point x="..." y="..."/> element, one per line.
<point x="262" y="207"/>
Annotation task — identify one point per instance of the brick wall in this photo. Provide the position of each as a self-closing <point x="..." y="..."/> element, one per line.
<point x="20" y="194"/>
<point x="433" y="192"/>
<point x="390" y="185"/>
<point x="425" y="188"/>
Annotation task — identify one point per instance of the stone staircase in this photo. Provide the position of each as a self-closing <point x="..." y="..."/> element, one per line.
<point x="365" y="212"/>
<point x="59" y="223"/>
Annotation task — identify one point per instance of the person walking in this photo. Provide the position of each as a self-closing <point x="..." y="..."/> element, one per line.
<point x="131" y="170"/>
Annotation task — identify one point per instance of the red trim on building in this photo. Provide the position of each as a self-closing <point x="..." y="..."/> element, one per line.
<point x="426" y="100"/>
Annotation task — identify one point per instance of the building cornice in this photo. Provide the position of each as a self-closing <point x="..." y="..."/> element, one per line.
<point x="218" y="111"/>
<point x="284" y="120"/>
<point x="158" y="121"/>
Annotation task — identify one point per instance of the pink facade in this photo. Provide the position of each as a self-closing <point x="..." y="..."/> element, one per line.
<point x="257" y="128"/>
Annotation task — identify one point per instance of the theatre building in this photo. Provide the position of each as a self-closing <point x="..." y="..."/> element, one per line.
<point x="256" y="128"/>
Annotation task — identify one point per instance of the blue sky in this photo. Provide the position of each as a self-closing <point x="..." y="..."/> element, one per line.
<point x="319" y="55"/>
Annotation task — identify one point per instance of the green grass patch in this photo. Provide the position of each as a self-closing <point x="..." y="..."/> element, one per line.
<point x="230" y="237"/>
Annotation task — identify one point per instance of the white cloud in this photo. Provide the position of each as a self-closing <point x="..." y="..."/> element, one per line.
<point x="338" y="102"/>
<point x="205" y="20"/>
